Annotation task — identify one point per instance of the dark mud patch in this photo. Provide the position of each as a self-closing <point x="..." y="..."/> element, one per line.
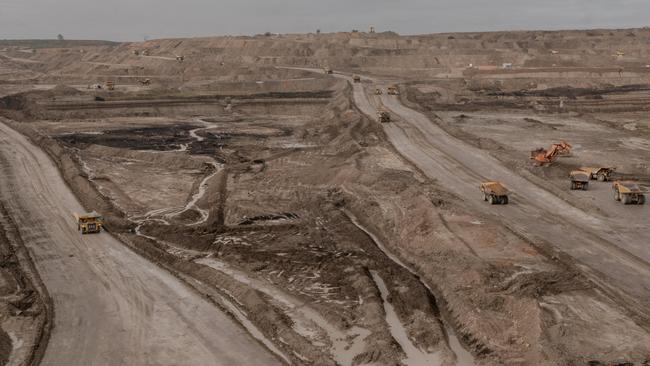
<point x="221" y="119"/>
<point x="6" y="347"/>
<point x="146" y="138"/>
<point x="14" y="102"/>
<point x="23" y="296"/>
<point x="271" y="217"/>
<point x="20" y="100"/>
<point x="318" y="94"/>
<point x="534" y="123"/>
<point x="214" y="142"/>
<point x="557" y="170"/>
<point x="305" y="94"/>
<point x="188" y="237"/>
<point x="573" y="93"/>
<point x="538" y="284"/>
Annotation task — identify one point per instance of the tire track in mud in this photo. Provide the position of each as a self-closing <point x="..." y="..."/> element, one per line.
<point x="414" y="355"/>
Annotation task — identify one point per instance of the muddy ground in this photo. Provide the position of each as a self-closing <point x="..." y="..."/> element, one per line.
<point x="272" y="187"/>
<point x="25" y="309"/>
<point x="258" y="221"/>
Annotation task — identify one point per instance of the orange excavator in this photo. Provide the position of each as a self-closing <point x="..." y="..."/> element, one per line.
<point x="545" y="157"/>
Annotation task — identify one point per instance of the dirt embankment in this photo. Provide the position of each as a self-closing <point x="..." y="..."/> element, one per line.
<point x="64" y="102"/>
<point x="409" y="57"/>
<point x="26" y="310"/>
<point x="530" y="94"/>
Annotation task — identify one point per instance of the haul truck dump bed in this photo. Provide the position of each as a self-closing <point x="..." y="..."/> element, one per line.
<point x="494" y="192"/>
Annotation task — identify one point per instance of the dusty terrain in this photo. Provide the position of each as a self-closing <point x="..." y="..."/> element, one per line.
<point x="316" y="234"/>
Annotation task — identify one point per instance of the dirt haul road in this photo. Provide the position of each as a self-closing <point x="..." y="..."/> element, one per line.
<point x="611" y="254"/>
<point x="111" y="306"/>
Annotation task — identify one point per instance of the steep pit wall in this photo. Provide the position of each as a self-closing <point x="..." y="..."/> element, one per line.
<point x="234" y="58"/>
<point x="293" y="97"/>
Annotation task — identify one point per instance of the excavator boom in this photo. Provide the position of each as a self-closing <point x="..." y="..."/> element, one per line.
<point x="544" y="156"/>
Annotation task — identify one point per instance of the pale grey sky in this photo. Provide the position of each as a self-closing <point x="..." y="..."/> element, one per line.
<point x="124" y="20"/>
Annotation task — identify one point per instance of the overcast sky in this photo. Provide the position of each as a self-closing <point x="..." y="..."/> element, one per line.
<point x="133" y="20"/>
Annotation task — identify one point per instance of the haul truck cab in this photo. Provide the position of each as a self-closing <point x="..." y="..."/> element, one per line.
<point x="89" y="223"/>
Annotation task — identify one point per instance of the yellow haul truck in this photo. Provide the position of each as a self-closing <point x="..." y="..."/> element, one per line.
<point x="603" y="174"/>
<point x="494" y="192"/>
<point x="628" y="192"/>
<point x="383" y="116"/>
<point x="579" y="180"/>
<point x="89" y="223"/>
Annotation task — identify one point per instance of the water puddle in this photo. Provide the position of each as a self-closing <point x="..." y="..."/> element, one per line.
<point x="203" y="186"/>
<point x="250" y="327"/>
<point x="414" y="355"/>
<point x="192" y="204"/>
<point x="307" y="321"/>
